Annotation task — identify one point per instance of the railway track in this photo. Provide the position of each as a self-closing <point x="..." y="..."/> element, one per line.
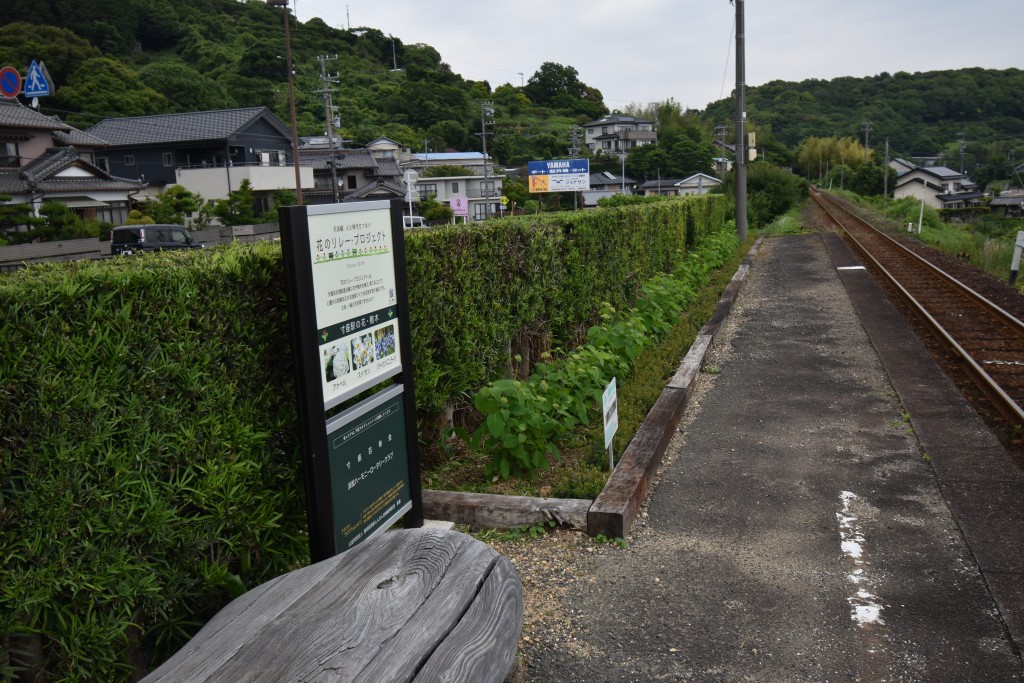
<point x="987" y="341"/>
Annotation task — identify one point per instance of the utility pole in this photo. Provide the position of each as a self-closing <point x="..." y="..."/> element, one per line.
<point x="283" y="4"/>
<point x="574" y="150"/>
<point x="486" y="112"/>
<point x="866" y="126"/>
<point x="741" y="121"/>
<point x="326" y="80"/>
<point x="885" y="177"/>
<point x="963" y="147"/>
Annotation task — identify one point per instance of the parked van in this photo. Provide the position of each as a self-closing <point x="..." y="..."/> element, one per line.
<point x="414" y="222"/>
<point x="131" y="239"/>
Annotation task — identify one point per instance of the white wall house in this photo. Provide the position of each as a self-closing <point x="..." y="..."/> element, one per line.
<point x="618" y="134"/>
<point x="938" y="186"/>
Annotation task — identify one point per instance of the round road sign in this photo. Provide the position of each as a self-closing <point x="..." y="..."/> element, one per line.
<point x="10" y="81"/>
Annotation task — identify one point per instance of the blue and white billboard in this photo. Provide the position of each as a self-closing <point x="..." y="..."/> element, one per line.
<point x="562" y="175"/>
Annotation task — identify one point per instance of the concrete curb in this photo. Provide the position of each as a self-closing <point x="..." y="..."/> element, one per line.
<point x="614" y="511"/>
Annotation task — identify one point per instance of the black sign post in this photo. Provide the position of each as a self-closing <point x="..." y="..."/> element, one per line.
<point x="349" y="319"/>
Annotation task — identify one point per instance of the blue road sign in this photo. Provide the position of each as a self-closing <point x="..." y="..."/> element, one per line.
<point x="37" y="83"/>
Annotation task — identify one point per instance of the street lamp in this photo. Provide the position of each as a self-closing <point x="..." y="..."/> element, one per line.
<point x="283" y="4"/>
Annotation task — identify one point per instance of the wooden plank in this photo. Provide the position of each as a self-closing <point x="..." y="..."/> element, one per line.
<point x="375" y="613"/>
<point x="491" y="511"/>
<point x="483" y="646"/>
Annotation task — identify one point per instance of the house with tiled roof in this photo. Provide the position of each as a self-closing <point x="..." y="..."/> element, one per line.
<point x="359" y="173"/>
<point x="939" y="187"/>
<point x="207" y="152"/>
<point x="618" y="134"/>
<point x="40" y="161"/>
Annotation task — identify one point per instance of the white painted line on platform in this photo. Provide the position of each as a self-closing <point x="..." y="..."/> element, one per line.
<point x="851" y="268"/>
<point x="866" y="608"/>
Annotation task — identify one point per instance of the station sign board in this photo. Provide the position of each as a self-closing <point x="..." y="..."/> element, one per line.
<point x="562" y="175"/>
<point x="348" y="314"/>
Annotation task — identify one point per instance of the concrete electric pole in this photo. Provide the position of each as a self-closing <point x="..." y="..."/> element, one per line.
<point x="741" y="121"/>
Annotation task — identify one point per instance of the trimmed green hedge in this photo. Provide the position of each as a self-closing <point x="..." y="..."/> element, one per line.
<point x="149" y="466"/>
<point x="520" y="286"/>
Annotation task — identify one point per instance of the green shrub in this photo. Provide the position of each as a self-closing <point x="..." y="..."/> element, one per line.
<point x="149" y="466"/>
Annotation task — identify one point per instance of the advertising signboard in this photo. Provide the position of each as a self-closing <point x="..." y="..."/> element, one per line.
<point x="348" y="314"/>
<point x="563" y="175"/>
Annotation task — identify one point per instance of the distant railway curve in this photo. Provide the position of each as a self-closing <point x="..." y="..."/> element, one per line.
<point x="988" y="341"/>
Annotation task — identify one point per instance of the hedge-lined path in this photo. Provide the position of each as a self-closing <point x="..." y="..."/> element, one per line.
<point x="799" y="530"/>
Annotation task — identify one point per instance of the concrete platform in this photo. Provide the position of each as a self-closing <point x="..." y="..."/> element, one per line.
<point x="830" y="511"/>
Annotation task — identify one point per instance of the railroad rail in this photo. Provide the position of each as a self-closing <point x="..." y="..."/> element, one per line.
<point x="988" y="341"/>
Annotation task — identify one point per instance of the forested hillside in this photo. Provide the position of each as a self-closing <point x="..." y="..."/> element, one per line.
<point x="137" y="57"/>
<point x="919" y="114"/>
<point x="133" y="57"/>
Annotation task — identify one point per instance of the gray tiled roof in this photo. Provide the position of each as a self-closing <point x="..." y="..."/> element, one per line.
<point x="78" y="138"/>
<point x="11" y="182"/>
<point x="41" y="176"/>
<point x="615" y="118"/>
<point x="13" y="114"/>
<point x="187" y="127"/>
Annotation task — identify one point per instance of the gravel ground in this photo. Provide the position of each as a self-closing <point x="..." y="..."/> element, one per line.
<point x="557" y="565"/>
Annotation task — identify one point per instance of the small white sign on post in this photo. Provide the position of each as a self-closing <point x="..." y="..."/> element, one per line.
<point x="610" y="408"/>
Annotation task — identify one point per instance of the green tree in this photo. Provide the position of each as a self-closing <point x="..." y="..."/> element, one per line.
<point x="447" y="171"/>
<point x="552" y="80"/>
<point x="104" y="87"/>
<point x="137" y="217"/>
<point x="16" y="221"/>
<point x="185" y="88"/>
<point x="434" y="212"/>
<point x="174" y="205"/>
<point x="61" y="50"/>
<point x="238" y="208"/>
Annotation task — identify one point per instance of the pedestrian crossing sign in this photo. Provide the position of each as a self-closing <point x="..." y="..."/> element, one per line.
<point x="37" y="83"/>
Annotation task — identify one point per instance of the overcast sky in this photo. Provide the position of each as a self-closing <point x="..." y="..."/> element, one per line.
<point x="650" y="50"/>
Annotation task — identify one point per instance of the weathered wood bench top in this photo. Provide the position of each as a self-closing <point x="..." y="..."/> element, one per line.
<point x="410" y="605"/>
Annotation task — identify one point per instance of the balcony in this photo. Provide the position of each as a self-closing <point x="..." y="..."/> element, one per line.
<point x="217" y="182"/>
<point x="479" y="193"/>
<point x="638" y="135"/>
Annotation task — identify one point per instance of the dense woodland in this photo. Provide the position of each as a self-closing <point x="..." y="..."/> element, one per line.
<point x="136" y="57"/>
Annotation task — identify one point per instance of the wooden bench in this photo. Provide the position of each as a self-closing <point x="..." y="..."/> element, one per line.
<point x="410" y="605"/>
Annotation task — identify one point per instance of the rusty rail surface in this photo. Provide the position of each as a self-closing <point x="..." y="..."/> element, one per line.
<point x="988" y="341"/>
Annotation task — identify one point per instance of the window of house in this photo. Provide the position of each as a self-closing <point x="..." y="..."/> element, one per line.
<point x="129" y="159"/>
<point x="9" y="157"/>
<point x="103" y="164"/>
<point x="487" y="188"/>
<point x="606" y="144"/>
<point x="455" y="188"/>
<point x="351" y="181"/>
<point x="479" y="211"/>
<point x="426" y="189"/>
<point x="168" y="159"/>
<point x="604" y="130"/>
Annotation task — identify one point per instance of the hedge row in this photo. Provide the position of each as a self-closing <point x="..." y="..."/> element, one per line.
<point x="149" y="465"/>
<point x="480" y="296"/>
